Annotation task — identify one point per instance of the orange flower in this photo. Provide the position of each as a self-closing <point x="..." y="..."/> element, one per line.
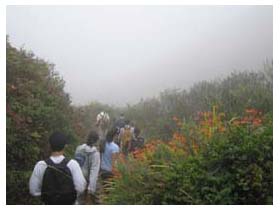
<point x="252" y="111"/>
<point x="222" y="129"/>
<point x="243" y="121"/>
<point x="257" y="122"/>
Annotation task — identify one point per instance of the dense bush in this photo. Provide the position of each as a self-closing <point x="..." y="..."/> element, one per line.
<point x="235" y="167"/>
<point x="36" y="106"/>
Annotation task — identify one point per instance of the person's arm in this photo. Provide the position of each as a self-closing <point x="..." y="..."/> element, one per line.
<point x="94" y="173"/>
<point x="77" y="150"/>
<point x="120" y="137"/>
<point x="79" y="180"/>
<point x="35" y="182"/>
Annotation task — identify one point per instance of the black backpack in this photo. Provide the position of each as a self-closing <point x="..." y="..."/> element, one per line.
<point x="58" y="186"/>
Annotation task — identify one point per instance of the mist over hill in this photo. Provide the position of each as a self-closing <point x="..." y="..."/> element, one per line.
<point x="118" y="55"/>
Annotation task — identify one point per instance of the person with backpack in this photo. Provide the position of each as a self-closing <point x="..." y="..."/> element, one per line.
<point x="120" y="122"/>
<point x="102" y="124"/>
<point x="88" y="157"/>
<point x="57" y="179"/>
<point x="125" y="137"/>
<point x="137" y="141"/>
<point x="109" y="153"/>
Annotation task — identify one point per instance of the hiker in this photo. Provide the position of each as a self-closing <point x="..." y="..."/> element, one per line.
<point x="57" y="179"/>
<point x="125" y="136"/>
<point x="109" y="154"/>
<point x="102" y="124"/>
<point x="137" y="141"/>
<point x="120" y="123"/>
<point x="132" y="127"/>
<point x="88" y="157"/>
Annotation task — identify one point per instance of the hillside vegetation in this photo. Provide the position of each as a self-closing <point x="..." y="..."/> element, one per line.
<point x="211" y="144"/>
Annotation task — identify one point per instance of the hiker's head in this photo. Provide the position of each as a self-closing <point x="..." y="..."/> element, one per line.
<point x="111" y="134"/>
<point x="92" y="138"/>
<point x="122" y="116"/>
<point x="127" y="122"/>
<point x="137" y="131"/>
<point x="58" y="141"/>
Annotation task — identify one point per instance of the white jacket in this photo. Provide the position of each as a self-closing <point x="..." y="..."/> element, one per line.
<point x="91" y="166"/>
<point x="35" y="182"/>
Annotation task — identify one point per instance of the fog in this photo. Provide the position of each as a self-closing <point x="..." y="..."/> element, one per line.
<point x="120" y="54"/>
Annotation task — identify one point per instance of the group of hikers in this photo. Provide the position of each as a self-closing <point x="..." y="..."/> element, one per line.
<point x="59" y="180"/>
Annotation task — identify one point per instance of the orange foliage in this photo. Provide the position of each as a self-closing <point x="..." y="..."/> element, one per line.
<point x="207" y="124"/>
<point x="177" y="121"/>
<point x="252" y="117"/>
<point x="149" y="148"/>
<point x="210" y="122"/>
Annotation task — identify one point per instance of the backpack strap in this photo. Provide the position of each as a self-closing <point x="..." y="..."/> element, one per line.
<point x="65" y="161"/>
<point x="53" y="166"/>
<point x="49" y="162"/>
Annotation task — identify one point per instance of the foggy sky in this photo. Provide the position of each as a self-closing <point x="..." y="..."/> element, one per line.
<point x="120" y="54"/>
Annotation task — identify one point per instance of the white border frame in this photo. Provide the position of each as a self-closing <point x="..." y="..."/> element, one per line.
<point x="276" y="60"/>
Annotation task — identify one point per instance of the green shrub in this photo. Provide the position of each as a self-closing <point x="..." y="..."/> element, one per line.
<point x="36" y="106"/>
<point x="234" y="168"/>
